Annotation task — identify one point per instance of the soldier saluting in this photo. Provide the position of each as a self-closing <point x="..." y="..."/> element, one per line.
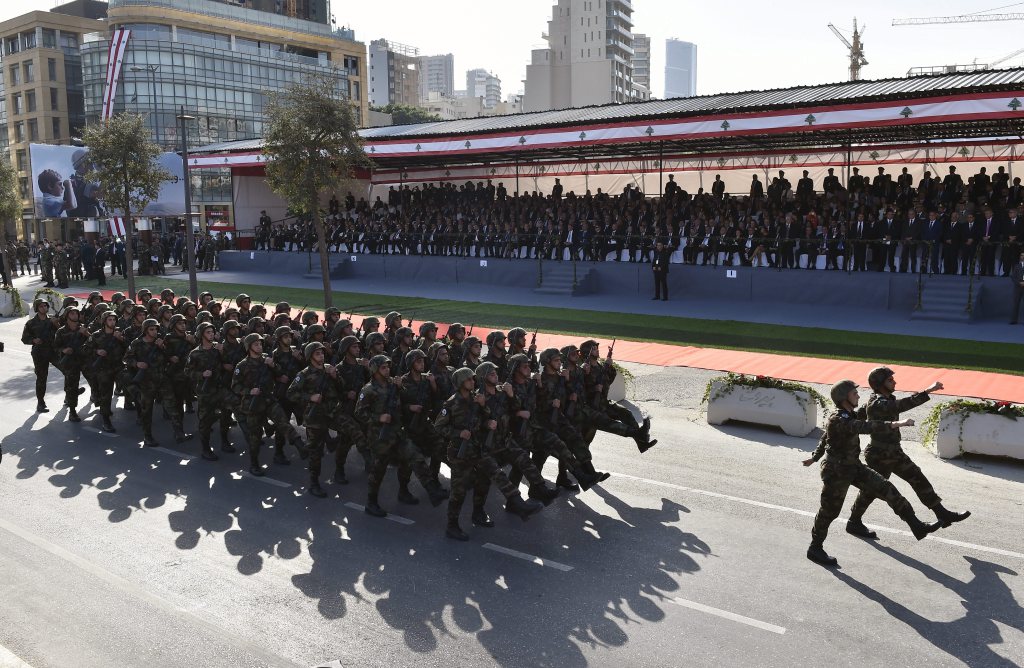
<point x="842" y="467"/>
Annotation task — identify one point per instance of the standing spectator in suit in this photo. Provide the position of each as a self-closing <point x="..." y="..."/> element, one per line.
<point x="1013" y="230"/>
<point x="953" y="243"/>
<point x="757" y="188"/>
<point x="972" y="233"/>
<point x="671" y="188"/>
<point x="662" y="255"/>
<point x="805" y="191"/>
<point x="860" y="234"/>
<point x="910" y="235"/>
<point x="990" y="237"/>
<point x="718" y="187"/>
<point x="889" y="232"/>
<point x="1015" y="194"/>
<point x="952" y="187"/>
<point x="831" y="182"/>
<point x="933" y="235"/>
<point x="1000" y="180"/>
<point x="881" y="185"/>
<point x="1017" y="276"/>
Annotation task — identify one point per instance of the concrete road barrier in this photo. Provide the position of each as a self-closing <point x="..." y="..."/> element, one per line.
<point x="978" y="433"/>
<point x="796" y="413"/>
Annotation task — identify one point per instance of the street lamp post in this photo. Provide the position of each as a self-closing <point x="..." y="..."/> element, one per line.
<point x="152" y="69"/>
<point x="190" y="239"/>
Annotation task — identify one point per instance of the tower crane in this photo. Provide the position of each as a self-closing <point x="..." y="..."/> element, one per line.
<point x="857" y="59"/>
<point x="963" y="18"/>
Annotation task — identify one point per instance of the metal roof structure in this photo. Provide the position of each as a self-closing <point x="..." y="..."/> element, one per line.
<point x="961" y="105"/>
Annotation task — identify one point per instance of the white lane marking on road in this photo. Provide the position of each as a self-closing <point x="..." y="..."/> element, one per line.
<point x="527" y="557"/>
<point x="173" y="452"/>
<point x="398" y="519"/>
<point x="244" y="645"/>
<point x="269" y="481"/>
<point x="725" y="614"/>
<point x="797" y="511"/>
<point x="9" y="659"/>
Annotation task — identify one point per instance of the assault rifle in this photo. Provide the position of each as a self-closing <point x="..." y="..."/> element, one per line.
<point x="75" y="345"/>
<point x="474" y="421"/>
<point x="319" y="390"/>
<point x="410" y="321"/>
<point x="259" y="383"/>
<point x="140" y="374"/>
<point x="390" y="407"/>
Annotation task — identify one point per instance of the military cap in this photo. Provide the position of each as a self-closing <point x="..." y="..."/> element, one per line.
<point x="461" y="376"/>
<point x="283" y="330"/>
<point x="311" y="348"/>
<point x="373" y="338"/>
<point x="878" y="376"/>
<point x="377" y="361"/>
<point x="841" y="390"/>
<point x="412" y="356"/>
<point x="346" y="343"/>
<point x="548" y="355"/>
<point x="484" y="370"/>
<point x="250" y="339"/>
<point x="426" y="327"/>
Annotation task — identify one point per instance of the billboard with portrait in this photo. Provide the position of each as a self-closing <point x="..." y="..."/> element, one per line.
<point x="61" y="190"/>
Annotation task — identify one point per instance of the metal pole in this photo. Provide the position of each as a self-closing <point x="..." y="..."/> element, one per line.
<point x="156" y="123"/>
<point x="190" y="241"/>
<point x="661" y="169"/>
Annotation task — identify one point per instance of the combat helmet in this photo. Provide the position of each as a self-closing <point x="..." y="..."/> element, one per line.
<point x="311" y="348"/>
<point x="841" y="390"/>
<point x="461" y="376"/>
<point x="878" y="376"/>
<point x="412" y="356"/>
<point x="377" y="361"/>
<point x="249" y="340"/>
<point x="548" y="355"/>
<point x="483" y="370"/>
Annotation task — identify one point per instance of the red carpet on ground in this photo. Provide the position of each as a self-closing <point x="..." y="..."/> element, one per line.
<point x="957" y="382"/>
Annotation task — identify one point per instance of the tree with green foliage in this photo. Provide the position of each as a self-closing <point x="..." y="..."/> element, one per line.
<point x="312" y="146"/>
<point x="124" y="161"/>
<point x="10" y="198"/>
<point x="406" y="114"/>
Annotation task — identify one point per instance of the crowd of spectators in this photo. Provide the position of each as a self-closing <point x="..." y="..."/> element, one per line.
<point x="939" y="225"/>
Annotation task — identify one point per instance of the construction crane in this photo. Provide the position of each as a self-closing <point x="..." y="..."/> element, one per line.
<point x="857" y="59"/>
<point x="963" y="18"/>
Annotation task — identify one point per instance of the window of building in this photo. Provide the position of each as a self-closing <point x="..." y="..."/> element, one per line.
<point x="13" y="45"/>
<point x="54" y="99"/>
<point x="30" y="101"/>
<point x="56" y="128"/>
<point x="33" y="130"/>
<point x="16" y="104"/>
<point x="28" y="39"/>
<point x="19" y="131"/>
<point x="23" y="183"/>
<point x="49" y="38"/>
<point x="29" y="70"/>
<point x="51" y="68"/>
<point x="68" y="40"/>
<point x="22" y="158"/>
<point x="15" y="75"/>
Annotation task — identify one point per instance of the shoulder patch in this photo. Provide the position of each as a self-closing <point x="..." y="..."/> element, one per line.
<point x="238" y="371"/>
<point x="844" y="414"/>
<point x="298" y="378"/>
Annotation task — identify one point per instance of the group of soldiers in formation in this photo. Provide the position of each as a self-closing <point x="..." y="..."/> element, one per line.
<point x="397" y="398"/>
<point x="939" y="226"/>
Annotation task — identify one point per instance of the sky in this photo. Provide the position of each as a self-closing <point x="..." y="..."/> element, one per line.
<point x="740" y="45"/>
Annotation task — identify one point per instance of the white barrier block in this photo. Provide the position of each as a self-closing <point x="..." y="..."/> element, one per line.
<point x="763" y="405"/>
<point x="982" y="434"/>
<point x="7" y="305"/>
<point x="617" y="390"/>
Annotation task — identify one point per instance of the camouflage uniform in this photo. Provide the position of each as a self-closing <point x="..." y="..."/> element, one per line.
<point x="420" y="426"/>
<point x="145" y="383"/>
<point x="70" y="363"/>
<point x="352" y="376"/>
<point x="208" y="391"/>
<point x="209" y="254"/>
<point x="104" y="369"/>
<point x="175" y="386"/>
<point x="22" y="254"/>
<point x="40" y="327"/>
<point x="46" y="262"/>
<point x="61" y="266"/>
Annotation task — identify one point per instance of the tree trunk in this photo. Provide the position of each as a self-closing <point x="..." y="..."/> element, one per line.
<point x="325" y="262"/>
<point x="129" y="270"/>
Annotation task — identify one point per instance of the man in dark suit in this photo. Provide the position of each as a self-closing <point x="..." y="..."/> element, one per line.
<point x="860" y="234"/>
<point x="831" y="182"/>
<point x="953" y="242"/>
<point x="880" y="186"/>
<point x="932" y="236"/>
<point x="756" y="188"/>
<point x="718" y="187"/>
<point x="1017" y="276"/>
<point x="662" y="255"/>
<point x="805" y="190"/>
<point x="972" y="234"/>
<point x="952" y="187"/>
<point x="889" y="232"/>
<point x="991" y="236"/>
<point x="910" y="232"/>
<point x="1013" y="230"/>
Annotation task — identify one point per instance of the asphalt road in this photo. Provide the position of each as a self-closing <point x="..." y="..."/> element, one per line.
<point x="691" y="554"/>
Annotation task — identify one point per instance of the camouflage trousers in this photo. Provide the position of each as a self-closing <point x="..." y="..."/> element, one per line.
<point x="432" y="447"/>
<point x="889" y="460"/>
<point x="254" y="423"/>
<point x="399" y="448"/>
<point x="349" y="434"/>
<point x="72" y="379"/>
<point x="837" y="477"/>
<point x="145" y="397"/>
<point x="522" y="466"/>
<point x="102" y="383"/>
<point x="610" y="418"/>
<point x="173" y="396"/>
<point x="208" y="412"/>
<point x="466" y="473"/>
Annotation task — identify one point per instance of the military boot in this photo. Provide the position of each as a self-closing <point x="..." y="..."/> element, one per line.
<point x="225" y="442"/>
<point x="315" y="489"/>
<point x="599" y="476"/>
<point x="41" y="407"/>
<point x="279" y="457"/>
<point x="438" y="494"/>
<point x="543" y="493"/>
<point x="517" y="505"/>
<point x="585" y="480"/>
<point x="455" y="532"/>
<point x="481" y="518"/>
<point x="108" y="426"/>
<point x="947" y="517"/>
<point x="73" y="415"/>
<point x="816" y="553"/>
<point x="373" y="507"/>
<point x="407" y="497"/>
<point x="339" y="477"/>
<point x="917" y="527"/>
<point x="300" y="447"/>
<point x="148" y="440"/>
<point x="254" y="465"/>
<point x="564" y="482"/>
<point x="208" y="453"/>
<point x="644" y="442"/>
<point x="180" y="436"/>
<point x="855" y="527"/>
<point x="129" y="405"/>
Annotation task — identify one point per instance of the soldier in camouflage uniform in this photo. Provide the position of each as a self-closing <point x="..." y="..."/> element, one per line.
<point x="885" y="455"/>
<point x="22" y="254"/>
<point x="403" y="344"/>
<point x="232" y="353"/>
<point x="428" y="335"/>
<point x="46" y="262"/>
<point x="145" y="359"/>
<point x="314" y="388"/>
<point x="175" y="388"/>
<point x="379" y="409"/>
<point x="418" y="400"/>
<point x="373" y="345"/>
<point x="471" y="349"/>
<point x="104" y="352"/>
<point x="61" y="265"/>
<point x="455" y="341"/>
<point x="253" y="384"/>
<point x="203" y="367"/>
<point x="528" y="433"/>
<point x="842" y="467"/>
<point x="38" y="333"/>
<point x="209" y="254"/>
<point x="67" y="344"/>
<point x="352" y="376"/>
<point x="75" y="265"/>
<point x="517" y="346"/>
<point x="288" y="361"/>
<point x="496" y="354"/>
<point x="601" y="413"/>
<point x="469" y="429"/>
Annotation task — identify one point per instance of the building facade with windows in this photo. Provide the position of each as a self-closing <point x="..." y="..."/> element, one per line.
<point x="394" y="73"/>
<point x="482" y="84"/>
<point x="437" y="75"/>
<point x="642" y="65"/>
<point x="41" y="100"/>
<point x="220" y="61"/>
<point x="680" y="69"/>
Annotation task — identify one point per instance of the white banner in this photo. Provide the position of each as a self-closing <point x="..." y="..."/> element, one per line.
<point x="115" y="56"/>
<point x="117" y="227"/>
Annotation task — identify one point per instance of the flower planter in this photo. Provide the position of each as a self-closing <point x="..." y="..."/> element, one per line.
<point x="978" y="433"/>
<point x="55" y="299"/>
<point x="9" y="307"/>
<point x="796" y="413"/>
<point x="617" y="390"/>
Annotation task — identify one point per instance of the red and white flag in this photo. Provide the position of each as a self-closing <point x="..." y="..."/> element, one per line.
<point x="117" y="227"/>
<point x="115" y="56"/>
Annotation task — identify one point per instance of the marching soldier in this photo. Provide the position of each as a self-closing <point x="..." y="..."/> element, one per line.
<point x="842" y="467"/>
<point x="315" y="389"/>
<point x="203" y="367"/>
<point x="105" y="350"/>
<point x="38" y="333"/>
<point x="67" y="345"/>
<point x="469" y="431"/>
<point x="598" y="412"/>
<point x="144" y="359"/>
<point x="352" y="376"/>
<point x="175" y="390"/>
<point x="379" y="409"/>
<point x="496" y="354"/>
<point x="418" y="400"/>
<point x="885" y="455"/>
